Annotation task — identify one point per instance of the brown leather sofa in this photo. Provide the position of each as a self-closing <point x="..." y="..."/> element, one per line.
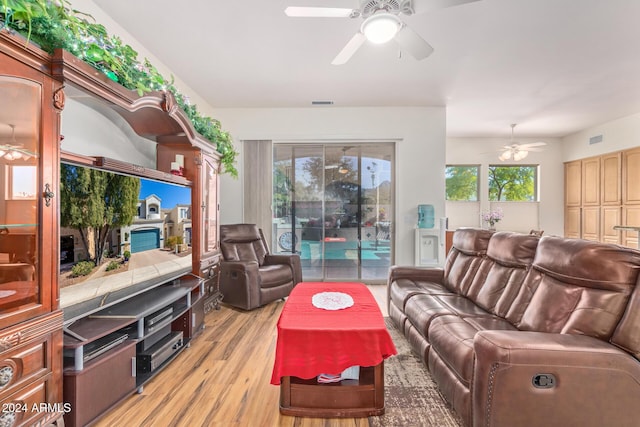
<point x="521" y="330"/>
<point x="250" y="276"/>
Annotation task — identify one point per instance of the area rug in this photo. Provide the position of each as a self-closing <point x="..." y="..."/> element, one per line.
<point x="411" y="397"/>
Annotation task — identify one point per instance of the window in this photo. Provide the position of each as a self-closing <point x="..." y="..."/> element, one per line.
<point x="22" y="181"/>
<point x="513" y="183"/>
<point x="462" y="182"/>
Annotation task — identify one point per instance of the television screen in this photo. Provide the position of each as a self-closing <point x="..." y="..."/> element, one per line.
<point x="119" y="235"/>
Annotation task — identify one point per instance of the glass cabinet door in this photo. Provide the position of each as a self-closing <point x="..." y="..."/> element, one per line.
<point x="20" y="124"/>
<point x="211" y="205"/>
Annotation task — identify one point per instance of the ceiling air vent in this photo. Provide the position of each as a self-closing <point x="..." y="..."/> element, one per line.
<point x="595" y="139"/>
<point x="321" y="102"/>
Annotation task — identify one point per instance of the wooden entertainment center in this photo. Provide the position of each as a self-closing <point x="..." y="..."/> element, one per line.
<point x="79" y="362"/>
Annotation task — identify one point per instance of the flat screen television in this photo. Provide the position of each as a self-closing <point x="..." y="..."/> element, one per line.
<point x="119" y="235"/>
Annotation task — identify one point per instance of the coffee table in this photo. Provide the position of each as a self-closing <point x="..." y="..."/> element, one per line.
<point x="313" y="341"/>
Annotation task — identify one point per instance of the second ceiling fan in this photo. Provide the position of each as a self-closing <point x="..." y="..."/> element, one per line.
<point x="516" y="151"/>
<point x="381" y="23"/>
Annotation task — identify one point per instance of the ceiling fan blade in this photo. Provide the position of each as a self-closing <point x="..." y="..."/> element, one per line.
<point x="318" y="12"/>
<point x="351" y="47"/>
<point x="411" y="42"/>
<point x="533" y="144"/>
<point x="422" y="6"/>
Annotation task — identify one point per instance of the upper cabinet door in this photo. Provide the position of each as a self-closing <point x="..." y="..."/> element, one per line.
<point x="210" y="197"/>
<point x="631" y="177"/>
<point x="573" y="183"/>
<point x="611" y="191"/>
<point x="28" y="249"/>
<point x="591" y="181"/>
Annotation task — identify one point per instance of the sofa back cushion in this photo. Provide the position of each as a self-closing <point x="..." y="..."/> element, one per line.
<point x="466" y="256"/>
<point x="242" y="242"/>
<point x="511" y="256"/>
<point x="583" y="288"/>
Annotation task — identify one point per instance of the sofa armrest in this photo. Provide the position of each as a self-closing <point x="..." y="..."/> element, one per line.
<point x="240" y="283"/>
<point x="428" y="274"/>
<point x="292" y="260"/>
<point x="542" y="379"/>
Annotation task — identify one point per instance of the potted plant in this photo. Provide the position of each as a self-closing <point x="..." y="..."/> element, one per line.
<point x="492" y="218"/>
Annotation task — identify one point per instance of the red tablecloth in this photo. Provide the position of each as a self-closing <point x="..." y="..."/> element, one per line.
<point x="312" y="341"/>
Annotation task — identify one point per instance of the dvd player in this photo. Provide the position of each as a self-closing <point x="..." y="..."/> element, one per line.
<point x="158" y="316"/>
<point x="149" y="360"/>
<point x="97" y="347"/>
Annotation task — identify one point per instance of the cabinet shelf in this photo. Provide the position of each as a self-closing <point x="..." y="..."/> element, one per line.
<point x="92" y="329"/>
<point x="144" y="304"/>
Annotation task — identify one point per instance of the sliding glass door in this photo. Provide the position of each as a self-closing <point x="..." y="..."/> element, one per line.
<point x="333" y="205"/>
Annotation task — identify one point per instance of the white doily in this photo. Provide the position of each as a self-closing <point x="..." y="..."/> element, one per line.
<point x="332" y="300"/>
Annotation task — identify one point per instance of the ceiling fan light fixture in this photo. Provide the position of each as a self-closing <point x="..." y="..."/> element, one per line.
<point x="381" y="27"/>
<point x="505" y="155"/>
<point x="519" y="155"/>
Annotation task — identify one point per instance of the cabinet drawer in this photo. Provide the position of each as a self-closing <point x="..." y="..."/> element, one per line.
<point x="21" y="365"/>
<point x="26" y="405"/>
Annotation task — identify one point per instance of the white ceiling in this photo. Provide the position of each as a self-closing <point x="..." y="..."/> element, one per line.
<point x="554" y="67"/>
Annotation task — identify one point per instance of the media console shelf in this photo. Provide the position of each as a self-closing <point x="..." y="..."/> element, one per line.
<point x="127" y="344"/>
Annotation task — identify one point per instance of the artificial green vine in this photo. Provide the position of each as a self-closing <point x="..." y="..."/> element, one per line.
<point x="54" y="25"/>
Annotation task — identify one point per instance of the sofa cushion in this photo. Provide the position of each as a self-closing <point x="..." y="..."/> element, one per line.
<point x="584" y="288"/>
<point x="512" y="255"/>
<point x="452" y="336"/>
<point x="422" y="309"/>
<point x="242" y="242"/>
<point x="465" y="259"/>
<point x="274" y="275"/>
<point x="401" y="290"/>
<point x="588" y="264"/>
<point x="626" y="335"/>
<point x="513" y="249"/>
<point x="471" y="241"/>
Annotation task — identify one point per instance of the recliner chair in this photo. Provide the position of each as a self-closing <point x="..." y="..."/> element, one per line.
<point x="250" y="276"/>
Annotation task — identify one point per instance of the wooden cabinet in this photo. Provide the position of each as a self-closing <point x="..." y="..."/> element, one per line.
<point x="590" y="182"/>
<point x="573" y="183"/>
<point x="572" y="222"/>
<point x="631" y="177"/>
<point x="610" y="216"/>
<point x="590" y="223"/>
<point x="602" y="193"/>
<point x="210" y="258"/>
<point x="125" y="345"/>
<point x="30" y="319"/>
<point x="32" y="356"/>
<point x="631" y="217"/>
<point x="611" y="179"/>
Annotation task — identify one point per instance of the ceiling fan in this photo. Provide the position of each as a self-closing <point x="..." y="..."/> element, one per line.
<point x="381" y="23"/>
<point x="517" y="152"/>
<point x="342" y="165"/>
<point x="11" y="150"/>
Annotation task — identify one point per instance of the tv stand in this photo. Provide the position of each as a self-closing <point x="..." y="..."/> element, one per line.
<point x="126" y="344"/>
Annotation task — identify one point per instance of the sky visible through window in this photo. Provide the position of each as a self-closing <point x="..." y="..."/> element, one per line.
<point x="170" y="195"/>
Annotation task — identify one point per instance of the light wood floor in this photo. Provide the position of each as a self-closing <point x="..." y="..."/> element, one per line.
<point x="222" y="379"/>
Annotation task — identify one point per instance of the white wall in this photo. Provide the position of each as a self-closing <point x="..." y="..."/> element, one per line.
<point x="420" y="154"/>
<point x="87" y="132"/>
<point x="547" y="215"/>
<point x="617" y="135"/>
